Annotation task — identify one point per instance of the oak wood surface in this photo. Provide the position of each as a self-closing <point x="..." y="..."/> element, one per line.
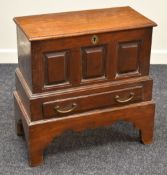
<point x="80" y="70"/>
<point x="41" y="133"/>
<point x="88" y="97"/>
<point x="37" y="58"/>
<point x="65" y="24"/>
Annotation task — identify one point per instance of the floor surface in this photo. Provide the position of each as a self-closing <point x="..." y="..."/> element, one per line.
<point x="114" y="150"/>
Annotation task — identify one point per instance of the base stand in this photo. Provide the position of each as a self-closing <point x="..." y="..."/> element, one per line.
<point x="40" y="133"/>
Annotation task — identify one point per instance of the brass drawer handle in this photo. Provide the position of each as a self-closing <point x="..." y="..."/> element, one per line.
<point x="118" y="99"/>
<point x="65" y="110"/>
<point x="94" y="39"/>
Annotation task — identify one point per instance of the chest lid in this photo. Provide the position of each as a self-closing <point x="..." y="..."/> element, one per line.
<point x="58" y="25"/>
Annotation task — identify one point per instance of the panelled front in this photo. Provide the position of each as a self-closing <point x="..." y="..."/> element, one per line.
<point x="78" y="61"/>
<point x="71" y="62"/>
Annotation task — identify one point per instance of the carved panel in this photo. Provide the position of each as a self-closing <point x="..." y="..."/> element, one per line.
<point x="128" y="58"/>
<point x="93" y="62"/>
<point x="56" y="67"/>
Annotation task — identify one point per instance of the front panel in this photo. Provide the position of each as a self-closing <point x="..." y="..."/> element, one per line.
<point x="132" y="53"/>
<point x="128" y="57"/>
<point x="57" y="67"/>
<point x="93" y="62"/>
<point x="71" y="62"/>
<point x="90" y="59"/>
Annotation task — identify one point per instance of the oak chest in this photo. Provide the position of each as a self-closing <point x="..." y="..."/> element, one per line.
<point x="80" y="70"/>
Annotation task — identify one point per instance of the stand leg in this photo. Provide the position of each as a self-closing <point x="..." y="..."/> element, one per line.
<point x="19" y="128"/>
<point x="146" y="125"/>
<point x="146" y="133"/>
<point x="35" y="156"/>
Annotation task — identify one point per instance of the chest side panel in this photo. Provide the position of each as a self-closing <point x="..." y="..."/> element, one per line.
<point x="24" y="56"/>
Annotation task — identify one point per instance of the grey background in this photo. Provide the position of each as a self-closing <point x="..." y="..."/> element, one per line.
<point x="114" y="150"/>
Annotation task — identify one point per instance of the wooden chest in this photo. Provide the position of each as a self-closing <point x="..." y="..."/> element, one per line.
<point x="80" y="70"/>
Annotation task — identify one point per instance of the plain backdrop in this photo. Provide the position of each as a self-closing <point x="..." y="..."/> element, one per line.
<point x="155" y="10"/>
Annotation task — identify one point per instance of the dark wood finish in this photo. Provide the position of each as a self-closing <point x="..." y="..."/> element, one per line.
<point x="75" y="48"/>
<point x="41" y="133"/>
<point x="34" y="102"/>
<point x="19" y="127"/>
<point x="128" y="53"/>
<point x="93" y="62"/>
<point x="56" y="67"/>
<point x="82" y="70"/>
<point x="24" y="56"/>
<point x="92" y="101"/>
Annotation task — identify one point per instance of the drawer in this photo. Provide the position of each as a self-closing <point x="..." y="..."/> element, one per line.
<point x="64" y="107"/>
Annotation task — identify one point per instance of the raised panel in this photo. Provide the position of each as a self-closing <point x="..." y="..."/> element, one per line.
<point x="93" y="62"/>
<point x="128" y="58"/>
<point x="56" y="67"/>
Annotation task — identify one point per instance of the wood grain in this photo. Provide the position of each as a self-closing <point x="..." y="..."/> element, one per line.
<point x="41" y="133"/>
<point x="38" y="73"/>
<point x="82" y="22"/>
<point x="41" y="106"/>
<point x="81" y="70"/>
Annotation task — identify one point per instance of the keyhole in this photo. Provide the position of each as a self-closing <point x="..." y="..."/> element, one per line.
<point x="94" y="39"/>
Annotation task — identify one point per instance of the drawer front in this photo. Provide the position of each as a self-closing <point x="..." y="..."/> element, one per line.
<point x="95" y="58"/>
<point x="64" y="107"/>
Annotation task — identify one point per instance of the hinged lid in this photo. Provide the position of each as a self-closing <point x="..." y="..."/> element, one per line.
<point x="47" y="26"/>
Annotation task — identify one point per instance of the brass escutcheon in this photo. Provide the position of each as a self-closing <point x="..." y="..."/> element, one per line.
<point x="94" y="39"/>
